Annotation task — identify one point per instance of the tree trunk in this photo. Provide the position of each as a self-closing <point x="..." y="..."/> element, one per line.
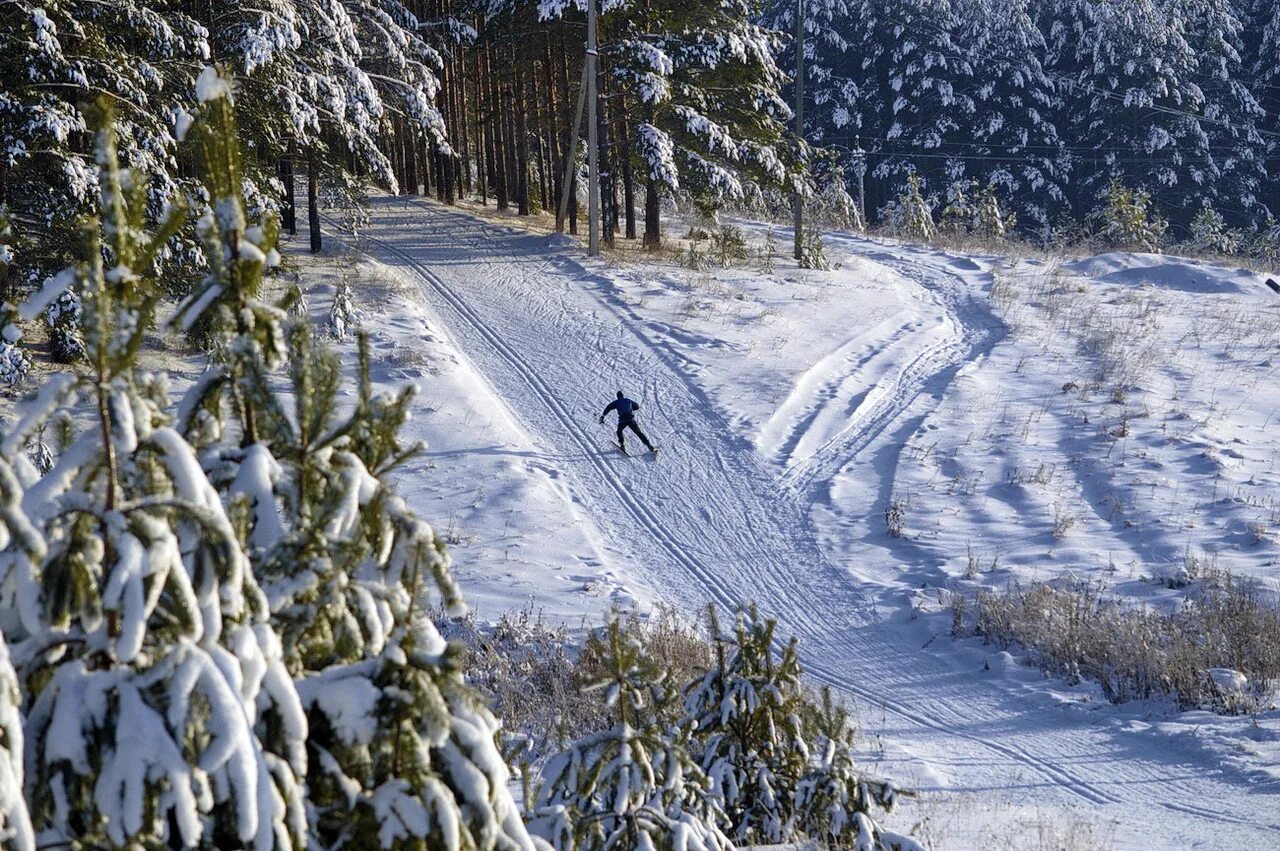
<point x="556" y="178"/>
<point x="482" y="139"/>
<point x="496" y="131"/>
<point x="289" y="214"/>
<point x="522" y="142"/>
<point x="652" y="221"/>
<point x="313" y="202"/>
<point x="608" y="195"/>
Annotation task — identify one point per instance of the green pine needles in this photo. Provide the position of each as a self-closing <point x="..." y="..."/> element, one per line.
<point x="218" y="611"/>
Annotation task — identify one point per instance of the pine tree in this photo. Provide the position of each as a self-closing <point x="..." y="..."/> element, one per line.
<point x="15" y="822"/>
<point x="704" y="86"/>
<point x="960" y="213"/>
<point x="159" y="709"/>
<point x="401" y="752"/>
<point x="1010" y="140"/>
<point x="990" y="220"/>
<point x="833" y="800"/>
<point x="916" y="217"/>
<point x="751" y="741"/>
<point x="632" y="785"/>
<point x="1126" y="219"/>
<point x="1209" y="233"/>
<point x="54" y="58"/>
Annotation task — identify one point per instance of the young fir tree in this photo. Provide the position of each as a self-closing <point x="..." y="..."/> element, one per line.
<point x="15" y="822"/>
<point x="633" y="785"/>
<point x="159" y="712"/>
<point x="990" y="220"/>
<point x="834" y="801"/>
<point x="916" y="217"/>
<point x="748" y="716"/>
<point x="401" y="752"/>
<point x="1209" y="233"/>
<point x="1126" y="219"/>
<point x="960" y="213"/>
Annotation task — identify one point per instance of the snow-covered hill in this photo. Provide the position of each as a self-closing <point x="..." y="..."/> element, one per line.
<point x="1110" y="418"/>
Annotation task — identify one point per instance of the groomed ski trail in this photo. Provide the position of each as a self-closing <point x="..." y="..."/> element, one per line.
<point x="710" y="521"/>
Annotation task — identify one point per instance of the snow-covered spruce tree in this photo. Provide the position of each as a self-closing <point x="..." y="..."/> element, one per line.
<point x="887" y="71"/>
<point x="1141" y="83"/>
<point x="54" y="58"/>
<point x="342" y="312"/>
<point x="159" y="713"/>
<point x="834" y="801"/>
<point x="15" y="822"/>
<point x="990" y="220"/>
<point x="1126" y="219"/>
<point x="1261" y="63"/>
<point x="401" y="752"/>
<point x="701" y="87"/>
<point x="960" y="212"/>
<point x="1232" y="176"/>
<point x="915" y="212"/>
<point x="633" y="785"/>
<point x="1210" y="234"/>
<point x="1010" y="140"/>
<point x="62" y="318"/>
<point x="330" y="76"/>
<point x="747" y="714"/>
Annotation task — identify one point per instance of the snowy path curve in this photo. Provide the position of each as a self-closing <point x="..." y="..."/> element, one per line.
<point x="970" y="332"/>
<point x="551" y="336"/>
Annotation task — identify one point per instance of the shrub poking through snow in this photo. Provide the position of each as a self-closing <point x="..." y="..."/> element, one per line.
<point x="342" y="313"/>
<point x="1127" y="220"/>
<point x="728" y="246"/>
<point x="633" y="785"/>
<point x="1135" y="652"/>
<point x="1210" y="234"/>
<point x="812" y="253"/>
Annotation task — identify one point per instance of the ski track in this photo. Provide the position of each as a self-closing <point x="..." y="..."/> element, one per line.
<point x="550" y="334"/>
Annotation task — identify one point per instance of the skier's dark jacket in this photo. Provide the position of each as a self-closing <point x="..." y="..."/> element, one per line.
<point x="625" y="407"/>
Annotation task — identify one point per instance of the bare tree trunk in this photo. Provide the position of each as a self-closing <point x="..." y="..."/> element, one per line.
<point x="519" y="94"/>
<point x="313" y="202"/>
<point x="652" y="220"/>
<point x="608" y="195"/>
<point x="496" y="132"/>
<point x="290" y="212"/>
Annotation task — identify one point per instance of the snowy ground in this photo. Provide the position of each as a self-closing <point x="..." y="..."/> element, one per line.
<point x="1109" y="418"/>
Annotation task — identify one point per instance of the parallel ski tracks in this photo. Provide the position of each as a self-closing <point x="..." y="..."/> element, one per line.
<point x="976" y="332"/>
<point x="803" y="605"/>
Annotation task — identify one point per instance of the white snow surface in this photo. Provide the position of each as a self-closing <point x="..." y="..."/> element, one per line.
<point x="1127" y="398"/>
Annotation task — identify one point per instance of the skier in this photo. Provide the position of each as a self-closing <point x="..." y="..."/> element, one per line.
<point x="626" y="419"/>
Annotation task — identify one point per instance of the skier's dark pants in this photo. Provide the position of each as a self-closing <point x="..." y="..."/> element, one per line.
<point x="631" y="424"/>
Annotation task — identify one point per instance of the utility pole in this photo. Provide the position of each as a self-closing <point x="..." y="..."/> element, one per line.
<point x="593" y="155"/>
<point x="798" y="201"/>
